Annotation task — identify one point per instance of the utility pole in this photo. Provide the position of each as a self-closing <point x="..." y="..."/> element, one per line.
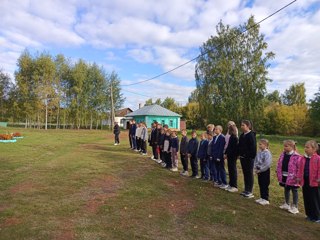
<point x="112" y="107"/>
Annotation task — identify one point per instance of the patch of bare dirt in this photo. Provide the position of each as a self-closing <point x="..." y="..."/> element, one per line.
<point x="100" y="191"/>
<point x="23" y="187"/>
<point x="66" y="233"/>
<point x="93" y="147"/>
<point x="11" y="221"/>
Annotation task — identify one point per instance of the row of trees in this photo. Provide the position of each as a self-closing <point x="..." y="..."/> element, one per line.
<point x="231" y="77"/>
<point x="55" y="90"/>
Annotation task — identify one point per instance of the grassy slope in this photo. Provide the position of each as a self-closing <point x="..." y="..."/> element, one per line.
<point x="77" y="185"/>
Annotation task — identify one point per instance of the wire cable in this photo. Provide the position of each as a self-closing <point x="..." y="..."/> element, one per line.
<point x="200" y="55"/>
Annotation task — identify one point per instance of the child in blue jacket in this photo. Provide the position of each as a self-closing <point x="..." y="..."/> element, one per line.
<point x="202" y="153"/>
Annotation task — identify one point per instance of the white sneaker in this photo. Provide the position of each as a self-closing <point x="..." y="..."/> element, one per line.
<point x="285" y="206"/>
<point x="159" y="161"/>
<point x="228" y="188"/>
<point x="223" y="186"/>
<point x="215" y="184"/>
<point x="259" y="200"/>
<point x="163" y="165"/>
<point x="293" y="210"/>
<point x="249" y="195"/>
<point x="152" y="157"/>
<point x="186" y="174"/>
<point x="197" y="177"/>
<point x="264" y="202"/>
<point x="115" y="144"/>
<point x="174" y="169"/>
<point x="144" y="154"/>
<point x="232" y="189"/>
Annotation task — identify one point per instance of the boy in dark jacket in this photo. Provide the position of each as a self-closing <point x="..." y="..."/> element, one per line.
<point x="202" y="154"/>
<point x="192" y="153"/>
<point x="174" y="151"/>
<point x="184" y="152"/>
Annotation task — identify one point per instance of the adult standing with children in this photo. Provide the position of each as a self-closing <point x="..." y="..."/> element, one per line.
<point x="247" y="153"/>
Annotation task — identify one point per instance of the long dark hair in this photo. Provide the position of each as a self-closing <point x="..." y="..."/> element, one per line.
<point x="248" y="123"/>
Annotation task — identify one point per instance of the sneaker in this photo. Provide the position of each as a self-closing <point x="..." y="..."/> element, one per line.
<point x="163" y="165"/>
<point x="259" y="200"/>
<point x="243" y="193"/>
<point x="186" y="174"/>
<point x="285" y="206"/>
<point x="174" y="169"/>
<point x="197" y="177"/>
<point x="232" y="189"/>
<point x="159" y="161"/>
<point x="248" y="195"/>
<point x="136" y="150"/>
<point x="293" y="210"/>
<point x="223" y="186"/>
<point x="264" y="202"/>
<point x="228" y="188"/>
<point x="115" y="144"/>
<point x="143" y="154"/>
<point x="215" y="184"/>
<point x="317" y="221"/>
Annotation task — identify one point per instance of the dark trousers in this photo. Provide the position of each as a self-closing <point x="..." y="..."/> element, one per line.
<point x="184" y="161"/>
<point x="213" y="170"/>
<point x="247" y="169"/>
<point x="194" y="165"/>
<point x="155" y="151"/>
<point x="167" y="159"/>
<point x="130" y="141"/>
<point x="138" y="141"/>
<point x="143" y="146"/>
<point x="134" y="142"/>
<point x="311" y="198"/>
<point x="233" y="173"/>
<point x="161" y="153"/>
<point x="264" y="182"/>
<point x="202" y="163"/>
<point x="221" y="172"/>
<point x="116" y="138"/>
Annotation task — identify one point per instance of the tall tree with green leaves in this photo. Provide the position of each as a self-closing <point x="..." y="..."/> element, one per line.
<point x="5" y="87"/>
<point x="315" y="113"/>
<point x="25" y="88"/>
<point x="231" y="74"/>
<point x="171" y="104"/>
<point x="44" y="76"/>
<point x="296" y="94"/>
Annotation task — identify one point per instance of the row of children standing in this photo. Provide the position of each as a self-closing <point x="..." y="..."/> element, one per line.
<point x="293" y="169"/>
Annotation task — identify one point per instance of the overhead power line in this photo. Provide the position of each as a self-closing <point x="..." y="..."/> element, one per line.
<point x="200" y="55"/>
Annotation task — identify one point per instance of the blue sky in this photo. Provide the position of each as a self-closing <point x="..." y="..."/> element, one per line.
<point x="142" y="38"/>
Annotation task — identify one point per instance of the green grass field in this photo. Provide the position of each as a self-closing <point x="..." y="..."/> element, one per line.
<point x="77" y="185"/>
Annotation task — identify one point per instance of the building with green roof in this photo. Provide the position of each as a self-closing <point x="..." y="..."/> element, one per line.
<point x="156" y="113"/>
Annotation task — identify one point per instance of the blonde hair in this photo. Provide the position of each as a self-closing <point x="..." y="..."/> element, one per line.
<point x="219" y="127"/>
<point x="313" y="144"/>
<point x="290" y="143"/>
<point x="264" y="142"/>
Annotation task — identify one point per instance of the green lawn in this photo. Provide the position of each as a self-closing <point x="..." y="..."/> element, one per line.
<point x="70" y="184"/>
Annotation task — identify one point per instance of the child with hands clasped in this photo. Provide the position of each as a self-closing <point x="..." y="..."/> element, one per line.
<point x="311" y="181"/>
<point x="262" y="164"/>
<point x="289" y="174"/>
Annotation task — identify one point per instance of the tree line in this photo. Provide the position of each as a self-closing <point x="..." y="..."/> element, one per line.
<point x="231" y="76"/>
<point x="53" y="90"/>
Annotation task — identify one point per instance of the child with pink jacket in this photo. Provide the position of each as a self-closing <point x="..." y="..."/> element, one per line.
<point x="311" y="181"/>
<point x="289" y="173"/>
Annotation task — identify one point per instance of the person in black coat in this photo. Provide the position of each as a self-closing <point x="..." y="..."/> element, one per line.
<point x="192" y="153"/>
<point x="116" y="132"/>
<point x="247" y="153"/>
<point x="231" y="154"/>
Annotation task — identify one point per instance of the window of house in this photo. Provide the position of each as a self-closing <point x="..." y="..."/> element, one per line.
<point x="171" y="123"/>
<point x="162" y="122"/>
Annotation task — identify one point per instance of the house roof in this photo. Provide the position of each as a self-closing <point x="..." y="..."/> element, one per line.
<point x="153" y="110"/>
<point x="123" y="112"/>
